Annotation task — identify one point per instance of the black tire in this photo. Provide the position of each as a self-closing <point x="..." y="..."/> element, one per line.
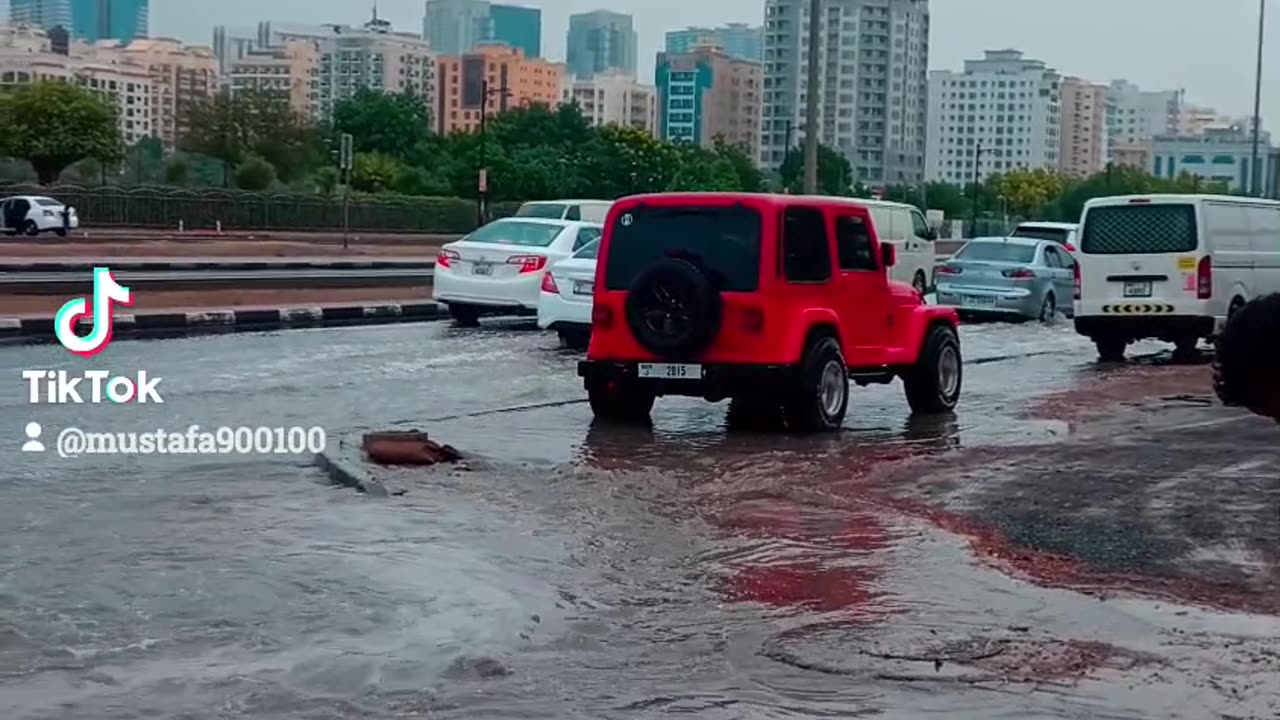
<point x="816" y="401"/>
<point x="1110" y="349"/>
<point x="1048" y="309"/>
<point x="673" y="309"/>
<point x="920" y="283"/>
<point x="574" y="339"/>
<point x="755" y="414"/>
<point x="933" y="383"/>
<point x="464" y="315"/>
<point x="620" y="402"/>
<point x="1186" y="349"/>
<point x="1236" y="304"/>
<point x="30" y="228"/>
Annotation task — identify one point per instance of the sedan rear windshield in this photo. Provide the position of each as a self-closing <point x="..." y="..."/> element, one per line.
<point x="550" y="211"/>
<point x="514" y="232"/>
<point x="1139" y="230"/>
<point x="1058" y="235"/>
<point x="724" y="241"/>
<point x="997" y="252"/>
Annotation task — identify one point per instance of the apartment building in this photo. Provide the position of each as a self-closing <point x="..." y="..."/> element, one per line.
<point x="290" y="71"/>
<point x="1000" y="113"/>
<point x="1135" y="116"/>
<point x="496" y="75"/>
<point x="602" y="41"/>
<point x="181" y="76"/>
<point x="739" y="40"/>
<point x="1217" y="155"/>
<point x="615" y="99"/>
<point x="874" y="84"/>
<point x="705" y="93"/>
<point x="26" y="57"/>
<point x="1084" y="127"/>
<point x="455" y="27"/>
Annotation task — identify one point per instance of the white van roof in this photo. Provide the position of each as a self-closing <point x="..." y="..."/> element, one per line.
<point x="1050" y="225"/>
<point x="1176" y="197"/>
<point x="569" y="202"/>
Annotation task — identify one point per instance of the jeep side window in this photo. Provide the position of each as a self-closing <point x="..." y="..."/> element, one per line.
<point x="806" y="251"/>
<point x="853" y="244"/>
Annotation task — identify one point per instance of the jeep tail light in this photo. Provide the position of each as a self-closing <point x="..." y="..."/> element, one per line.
<point x="1019" y="274"/>
<point x="549" y="284"/>
<point x="950" y="270"/>
<point x="1204" y="278"/>
<point x="601" y="317"/>
<point x="446" y="257"/>
<point x="1075" y="279"/>
<point x="528" y="263"/>
<point x="753" y="320"/>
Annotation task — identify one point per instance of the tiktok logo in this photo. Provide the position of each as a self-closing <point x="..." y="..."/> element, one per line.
<point x="105" y="292"/>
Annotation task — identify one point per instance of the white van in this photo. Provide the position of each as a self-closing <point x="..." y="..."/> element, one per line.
<point x="1171" y="267"/>
<point x="584" y="210"/>
<point x="905" y="226"/>
<point x="1062" y="233"/>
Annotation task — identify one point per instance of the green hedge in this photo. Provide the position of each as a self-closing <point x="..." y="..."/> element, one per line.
<point x="153" y="207"/>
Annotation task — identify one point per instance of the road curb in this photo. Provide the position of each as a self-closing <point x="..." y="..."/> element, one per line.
<point x="143" y="324"/>
<point x="190" y="266"/>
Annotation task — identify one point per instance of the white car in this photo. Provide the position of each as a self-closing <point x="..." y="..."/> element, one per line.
<point x="1062" y="233"/>
<point x="498" y="268"/>
<point x="565" y="302"/>
<point x="35" y="214"/>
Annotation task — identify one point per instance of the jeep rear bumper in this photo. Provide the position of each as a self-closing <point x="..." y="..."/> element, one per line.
<point x="717" y="382"/>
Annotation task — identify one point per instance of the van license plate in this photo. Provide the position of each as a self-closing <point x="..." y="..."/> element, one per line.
<point x="668" y="371"/>
<point x="1137" y="289"/>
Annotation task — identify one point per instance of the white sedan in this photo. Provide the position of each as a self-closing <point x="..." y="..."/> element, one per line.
<point x="35" y="214"/>
<point x="498" y="268"/>
<point x="565" y="303"/>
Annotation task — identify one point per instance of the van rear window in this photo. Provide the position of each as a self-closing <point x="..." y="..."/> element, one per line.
<point x="1139" y="230"/>
<point x="1058" y="235"/>
<point x="725" y="241"/>
<point x="546" y="211"/>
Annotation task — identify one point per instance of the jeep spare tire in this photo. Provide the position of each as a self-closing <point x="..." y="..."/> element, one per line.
<point x="673" y="309"/>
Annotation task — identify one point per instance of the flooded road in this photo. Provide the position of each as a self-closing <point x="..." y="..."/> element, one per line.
<point x="586" y="571"/>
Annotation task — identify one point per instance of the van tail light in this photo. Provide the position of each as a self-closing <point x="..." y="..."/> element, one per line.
<point x="1075" y="279"/>
<point x="528" y="263"/>
<point x="1019" y="274"/>
<point x="601" y="317"/>
<point x="549" y="285"/>
<point x="1204" y="278"/>
<point x="950" y="270"/>
<point x="753" y="321"/>
<point x="446" y="257"/>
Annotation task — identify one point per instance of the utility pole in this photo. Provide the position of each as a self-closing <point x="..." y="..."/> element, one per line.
<point x="1256" y="175"/>
<point x="977" y="185"/>
<point x="482" y="186"/>
<point x="811" y="104"/>
<point x="346" y="151"/>
<point x="786" y="153"/>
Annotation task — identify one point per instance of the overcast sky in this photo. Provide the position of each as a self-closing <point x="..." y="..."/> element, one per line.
<point x="1208" y="48"/>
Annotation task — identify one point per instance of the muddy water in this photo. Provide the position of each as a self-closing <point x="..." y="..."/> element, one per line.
<point x="577" y="571"/>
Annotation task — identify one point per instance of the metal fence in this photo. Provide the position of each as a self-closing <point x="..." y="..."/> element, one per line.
<point x="150" y="207"/>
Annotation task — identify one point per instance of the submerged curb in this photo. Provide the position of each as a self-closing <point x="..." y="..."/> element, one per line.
<point x="161" y="322"/>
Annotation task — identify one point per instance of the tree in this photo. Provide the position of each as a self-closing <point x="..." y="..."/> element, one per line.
<point x="53" y="125"/>
<point x="230" y="128"/>
<point x="835" y="174"/>
<point x="326" y="179"/>
<point x="750" y="179"/>
<point x="255" y="173"/>
<point x="1028" y="190"/>
<point x="177" y="172"/>
<point x="381" y="122"/>
<point x="375" y="172"/>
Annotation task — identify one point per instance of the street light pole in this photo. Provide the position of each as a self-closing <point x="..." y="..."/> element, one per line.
<point x="977" y="162"/>
<point x="1255" y="172"/>
<point x="483" y="179"/>
<point x="811" y="104"/>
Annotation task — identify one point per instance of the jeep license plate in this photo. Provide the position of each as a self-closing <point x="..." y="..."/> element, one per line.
<point x="669" y="371"/>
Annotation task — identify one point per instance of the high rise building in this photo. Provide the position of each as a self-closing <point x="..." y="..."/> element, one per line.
<point x="516" y="80"/>
<point x="874" y="62"/>
<point x="600" y="41"/>
<point x="42" y="14"/>
<point x="123" y="20"/>
<point x="519" y="27"/>
<point x="705" y="93"/>
<point x="1135" y="116"/>
<point x="231" y="44"/>
<point x="455" y="27"/>
<point x="1084" y="127"/>
<point x="1001" y="113"/>
<point x="1219" y="154"/>
<point x="739" y="40"/>
<point x="615" y="99"/>
<point x="181" y="76"/>
<point x="290" y="71"/>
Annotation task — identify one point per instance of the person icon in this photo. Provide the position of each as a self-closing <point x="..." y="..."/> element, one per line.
<point x="33" y="443"/>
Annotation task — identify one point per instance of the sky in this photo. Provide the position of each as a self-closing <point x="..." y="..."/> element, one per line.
<point x="1207" y="48"/>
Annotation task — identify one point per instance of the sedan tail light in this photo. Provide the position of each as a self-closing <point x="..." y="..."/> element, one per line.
<point x="950" y="270"/>
<point x="445" y="257"/>
<point x="1019" y="274"/>
<point x="549" y="285"/>
<point x="1204" y="278"/>
<point x="528" y="263"/>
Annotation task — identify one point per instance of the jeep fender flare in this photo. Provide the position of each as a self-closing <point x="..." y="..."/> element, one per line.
<point x="813" y="320"/>
<point x="919" y="322"/>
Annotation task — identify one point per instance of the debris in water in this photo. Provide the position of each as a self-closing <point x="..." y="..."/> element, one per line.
<point x="407" y="447"/>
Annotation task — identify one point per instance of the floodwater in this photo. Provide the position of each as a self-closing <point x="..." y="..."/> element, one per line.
<point x="575" y="571"/>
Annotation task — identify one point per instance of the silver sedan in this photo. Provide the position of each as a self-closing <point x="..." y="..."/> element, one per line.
<point x="1008" y="277"/>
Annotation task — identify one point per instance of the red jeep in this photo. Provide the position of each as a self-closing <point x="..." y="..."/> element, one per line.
<point x="773" y="301"/>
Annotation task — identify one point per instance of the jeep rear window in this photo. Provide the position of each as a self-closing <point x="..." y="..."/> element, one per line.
<point x="1139" y="229"/>
<point x="725" y="241"/>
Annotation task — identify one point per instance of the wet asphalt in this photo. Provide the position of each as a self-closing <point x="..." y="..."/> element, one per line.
<point x="900" y="568"/>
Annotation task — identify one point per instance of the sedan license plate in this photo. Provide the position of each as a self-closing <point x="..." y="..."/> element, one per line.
<point x="978" y="301"/>
<point x="583" y="287"/>
<point x="669" y="371"/>
<point x="482" y="269"/>
<point x="1137" y="288"/>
